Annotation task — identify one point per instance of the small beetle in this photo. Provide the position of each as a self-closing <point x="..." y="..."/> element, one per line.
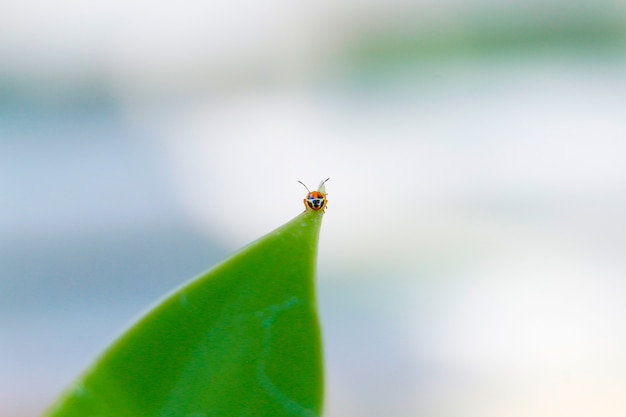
<point x="316" y="200"/>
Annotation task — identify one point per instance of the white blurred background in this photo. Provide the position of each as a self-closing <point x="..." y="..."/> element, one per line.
<point x="472" y="255"/>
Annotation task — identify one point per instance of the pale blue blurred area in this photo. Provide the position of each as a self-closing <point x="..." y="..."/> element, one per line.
<point x="90" y="236"/>
<point x="471" y="258"/>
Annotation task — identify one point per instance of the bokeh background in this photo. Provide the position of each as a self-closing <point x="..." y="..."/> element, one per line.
<point x="472" y="255"/>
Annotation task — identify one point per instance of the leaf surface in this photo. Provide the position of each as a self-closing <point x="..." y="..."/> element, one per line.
<point x="242" y="339"/>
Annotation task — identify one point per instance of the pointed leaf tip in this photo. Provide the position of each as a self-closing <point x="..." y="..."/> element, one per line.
<point x="240" y="339"/>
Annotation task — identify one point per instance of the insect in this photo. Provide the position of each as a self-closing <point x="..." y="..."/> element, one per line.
<point x="316" y="200"/>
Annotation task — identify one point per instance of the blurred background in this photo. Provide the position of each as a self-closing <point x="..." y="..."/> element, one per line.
<point x="472" y="255"/>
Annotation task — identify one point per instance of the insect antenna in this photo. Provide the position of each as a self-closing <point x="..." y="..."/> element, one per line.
<point x="307" y="188"/>
<point x="322" y="188"/>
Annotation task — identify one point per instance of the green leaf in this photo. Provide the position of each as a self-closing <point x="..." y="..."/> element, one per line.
<point x="242" y="339"/>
